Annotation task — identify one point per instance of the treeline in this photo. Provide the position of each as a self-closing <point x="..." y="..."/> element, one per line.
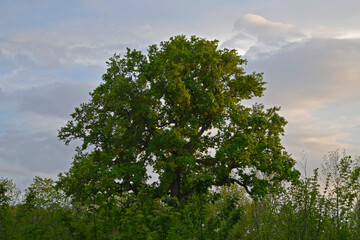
<point x="323" y="205"/>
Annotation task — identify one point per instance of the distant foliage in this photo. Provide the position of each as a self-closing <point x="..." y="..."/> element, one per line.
<point x="322" y="206"/>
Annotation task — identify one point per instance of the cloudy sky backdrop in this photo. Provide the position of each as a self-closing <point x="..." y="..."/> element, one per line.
<point x="53" y="53"/>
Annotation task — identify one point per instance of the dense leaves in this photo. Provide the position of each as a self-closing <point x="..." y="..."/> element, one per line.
<point x="178" y="111"/>
<point x="322" y="206"/>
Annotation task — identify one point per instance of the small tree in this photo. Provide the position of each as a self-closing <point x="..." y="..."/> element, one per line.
<point x="40" y="214"/>
<point x="342" y="184"/>
<point x="9" y="196"/>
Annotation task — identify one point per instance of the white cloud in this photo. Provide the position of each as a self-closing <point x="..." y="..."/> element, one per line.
<point x="261" y="26"/>
<point x="324" y="32"/>
<point x="255" y="35"/>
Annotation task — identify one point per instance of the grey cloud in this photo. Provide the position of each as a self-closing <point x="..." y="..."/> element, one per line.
<point x="6" y="64"/>
<point x="63" y="49"/>
<point x="25" y="154"/>
<point x="324" y="70"/>
<point x="31" y="52"/>
<point x="57" y="99"/>
<point x="35" y="151"/>
<point x="307" y="79"/>
<point x="38" y="54"/>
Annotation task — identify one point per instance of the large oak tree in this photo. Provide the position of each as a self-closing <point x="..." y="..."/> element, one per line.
<point x="177" y="111"/>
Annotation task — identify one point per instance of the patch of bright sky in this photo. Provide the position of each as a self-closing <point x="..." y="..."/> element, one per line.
<point x="343" y="116"/>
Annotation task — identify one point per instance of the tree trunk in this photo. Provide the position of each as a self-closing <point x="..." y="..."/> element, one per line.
<point x="175" y="187"/>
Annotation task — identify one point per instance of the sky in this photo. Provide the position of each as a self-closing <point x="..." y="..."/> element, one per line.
<point x="53" y="53"/>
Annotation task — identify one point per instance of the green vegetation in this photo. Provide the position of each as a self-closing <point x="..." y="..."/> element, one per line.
<point x="323" y="206"/>
<point x="219" y="169"/>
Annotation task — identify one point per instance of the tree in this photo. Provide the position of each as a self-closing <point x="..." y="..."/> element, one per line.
<point x="178" y="111"/>
<point x="342" y="176"/>
<point x="41" y="212"/>
<point x="9" y="196"/>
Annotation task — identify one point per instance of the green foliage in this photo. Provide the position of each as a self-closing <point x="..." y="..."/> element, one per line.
<point x="38" y="216"/>
<point x="322" y="206"/>
<point x="9" y="196"/>
<point x="317" y="207"/>
<point x="178" y="110"/>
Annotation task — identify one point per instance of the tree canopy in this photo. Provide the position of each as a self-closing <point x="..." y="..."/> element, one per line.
<point x="177" y="112"/>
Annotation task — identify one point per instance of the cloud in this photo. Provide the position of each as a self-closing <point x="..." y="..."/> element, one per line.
<point x="73" y="43"/>
<point x="28" y="137"/>
<point x="25" y="154"/>
<point x="262" y="27"/>
<point x="42" y="52"/>
<point x="324" y="32"/>
<point x="254" y="35"/>
<point x="316" y="82"/>
<point x="314" y="73"/>
<point x="57" y="99"/>
<point x="42" y="108"/>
